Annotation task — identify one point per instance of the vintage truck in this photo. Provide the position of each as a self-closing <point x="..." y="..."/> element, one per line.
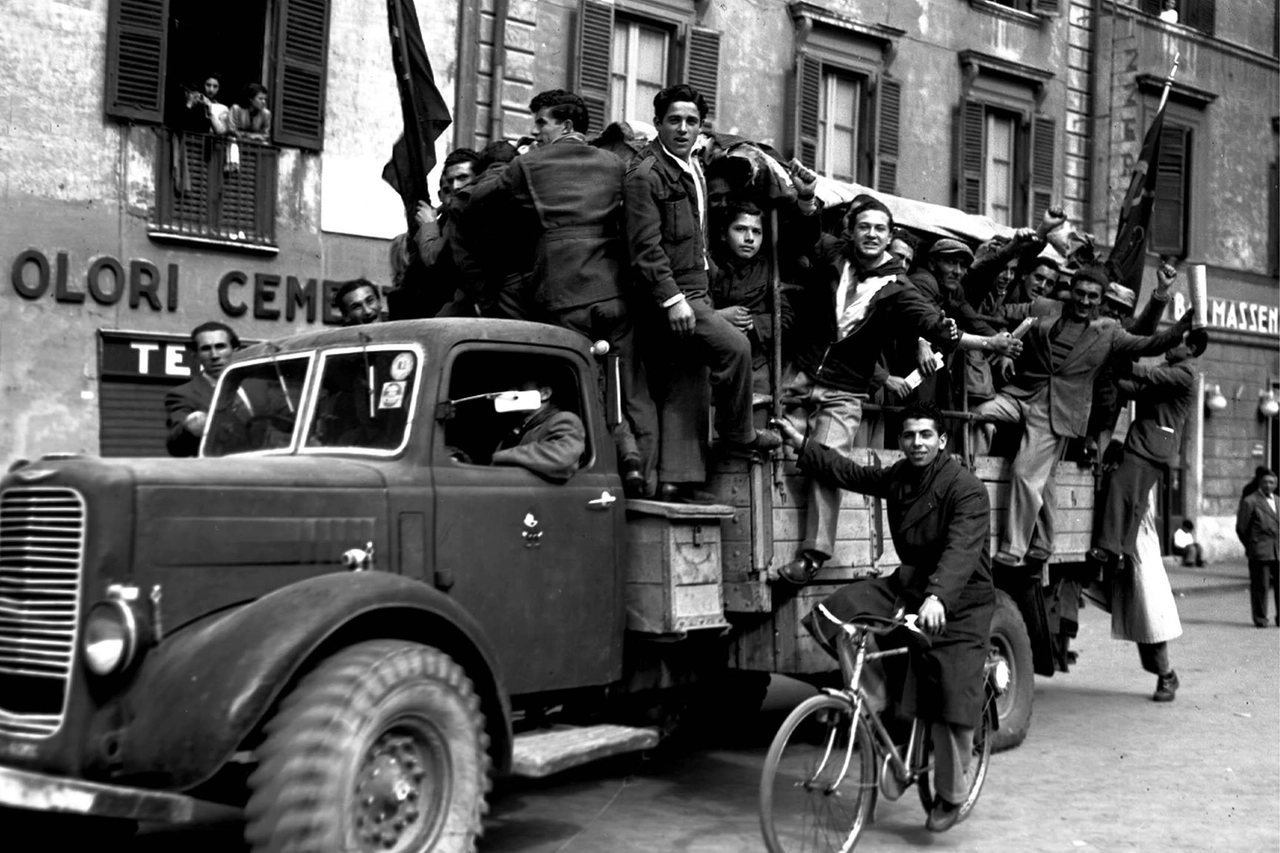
<point x="343" y="620"/>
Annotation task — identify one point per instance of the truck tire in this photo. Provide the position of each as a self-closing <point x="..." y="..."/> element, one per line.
<point x="381" y="747"/>
<point x="1009" y="640"/>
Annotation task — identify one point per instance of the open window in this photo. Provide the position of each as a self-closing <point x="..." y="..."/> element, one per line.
<point x="474" y="427"/>
<point x="365" y="400"/>
<point x="213" y="185"/>
<point x="627" y="54"/>
<point x="1005" y="151"/>
<point x="847" y="107"/>
<point x="257" y="406"/>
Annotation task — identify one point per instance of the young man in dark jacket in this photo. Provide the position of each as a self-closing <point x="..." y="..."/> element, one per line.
<point x="571" y="194"/>
<point x="856" y="304"/>
<point x="667" y="231"/>
<point x="940" y="518"/>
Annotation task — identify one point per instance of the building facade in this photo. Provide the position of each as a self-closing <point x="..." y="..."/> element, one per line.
<point x="114" y="223"/>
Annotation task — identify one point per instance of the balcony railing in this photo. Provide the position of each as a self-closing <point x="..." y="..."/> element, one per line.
<point x="202" y="197"/>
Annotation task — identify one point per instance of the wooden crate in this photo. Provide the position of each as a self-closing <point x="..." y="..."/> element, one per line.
<point x="674" y="577"/>
<point x="779" y="642"/>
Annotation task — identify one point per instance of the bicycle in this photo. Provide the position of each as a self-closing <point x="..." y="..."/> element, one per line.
<point x="833" y="754"/>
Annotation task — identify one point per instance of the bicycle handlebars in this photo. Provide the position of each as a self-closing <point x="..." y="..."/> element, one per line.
<point x="878" y="625"/>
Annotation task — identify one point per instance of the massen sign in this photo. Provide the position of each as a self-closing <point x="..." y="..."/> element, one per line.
<point x="106" y="282"/>
<point x="1235" y="314"/>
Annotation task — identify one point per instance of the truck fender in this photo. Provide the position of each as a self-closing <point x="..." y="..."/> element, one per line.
<point x="206" y="689"/>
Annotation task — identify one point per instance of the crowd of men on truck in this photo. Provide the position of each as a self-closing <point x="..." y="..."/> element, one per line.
<point x="696" y="255"/>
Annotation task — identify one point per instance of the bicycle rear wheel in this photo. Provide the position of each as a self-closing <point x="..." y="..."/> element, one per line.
<point x="980" y="758"/>
<point x="819" y="779"/>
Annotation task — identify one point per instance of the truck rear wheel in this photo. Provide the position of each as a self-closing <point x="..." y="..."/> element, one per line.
<point x="1009" y="641"/>
<point x="381" y="747"/>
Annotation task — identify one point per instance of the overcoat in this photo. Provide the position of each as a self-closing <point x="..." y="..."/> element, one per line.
<point x="940" y="517"/>
<point x="550" y="443"/>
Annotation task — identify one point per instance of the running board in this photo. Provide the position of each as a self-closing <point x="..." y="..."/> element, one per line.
<point x="540" y="753"/>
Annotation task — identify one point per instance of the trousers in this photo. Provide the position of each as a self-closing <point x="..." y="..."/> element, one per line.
<point x="1030" y="519"/>
<point x="831" y="418"/>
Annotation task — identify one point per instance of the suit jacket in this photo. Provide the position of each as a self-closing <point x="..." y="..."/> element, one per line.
<point x="1071" y="382"/>
<point x="1257" y="527"/>
<point x="193" y="396"/>
<point x="550" y="443"/>
<point x="1164" y="396"/>
<point x="574" y="192"/>
<point x="664" y="228"/>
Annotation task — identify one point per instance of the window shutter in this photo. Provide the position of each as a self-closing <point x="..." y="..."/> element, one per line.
<point x="1198" y="14"/>
<point x="1043" y="131"/>
<point x="302" y="48"/>
<point x="888" y="122"/>
<point x="595" y="59"/>
<point x="702" y="65"/>
<point x="1047" y="7"/>
<point x="137" y="47"/>
<point x="808" y="92"/>
<point x="969" y="133"/>
<point x="1168" y="213"/>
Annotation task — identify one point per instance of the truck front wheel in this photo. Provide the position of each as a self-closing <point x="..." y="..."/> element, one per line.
<point x="380" y="747"/>
<point x="1009" y="640"/>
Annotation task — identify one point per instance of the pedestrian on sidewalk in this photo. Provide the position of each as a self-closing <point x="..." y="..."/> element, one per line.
<point x="1257" y="527"/>
<point x="1186" y="546"/>
<point x="1143" y="609"/>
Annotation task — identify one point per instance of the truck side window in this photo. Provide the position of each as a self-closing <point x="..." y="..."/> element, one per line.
<point x="257" y="406"/>
<point x="364" y="399"/>
<point x="474" y="429"/>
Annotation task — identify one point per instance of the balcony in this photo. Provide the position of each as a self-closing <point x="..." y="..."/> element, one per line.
<point x="202" y="200"/>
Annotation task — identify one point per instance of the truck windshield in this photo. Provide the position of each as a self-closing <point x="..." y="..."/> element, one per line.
<point x="257" y="405"/>
<point x="365" y="398"/>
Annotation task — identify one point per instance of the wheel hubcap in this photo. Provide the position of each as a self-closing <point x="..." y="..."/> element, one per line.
<point x="399" y="789"/>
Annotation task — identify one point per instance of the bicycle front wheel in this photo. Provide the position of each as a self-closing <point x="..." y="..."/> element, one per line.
<point x="819" y="779"/>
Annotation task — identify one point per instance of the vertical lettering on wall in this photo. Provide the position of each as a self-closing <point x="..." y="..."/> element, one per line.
<point x="144" y="281"/>
<point x="103" y="297"/>
<point x="61" y="291"/>
<point x="264" y="296"/>
<point x="231" y="309"/>
<point x="18" y="275"/>
<point x="299" y="296"/>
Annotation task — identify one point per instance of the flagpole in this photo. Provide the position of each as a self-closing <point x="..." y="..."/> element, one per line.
<point x="1168" y="81"/>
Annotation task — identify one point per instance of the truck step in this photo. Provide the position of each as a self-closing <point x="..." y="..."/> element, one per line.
<point x="546" y="751"/>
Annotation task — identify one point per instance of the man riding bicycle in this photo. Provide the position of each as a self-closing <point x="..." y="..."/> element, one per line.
<point x="940" y="518"/>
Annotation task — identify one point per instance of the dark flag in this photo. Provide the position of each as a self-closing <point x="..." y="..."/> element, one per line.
<point x="1125" y="263"/>
<point x="425" y="114"/>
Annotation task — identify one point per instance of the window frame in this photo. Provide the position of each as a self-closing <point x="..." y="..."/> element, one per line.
<point x="862" y="149"/>
<point x="592" y="457"/>
<point x="635" y="23"/>
<point x="303" y="402"/>
<point x="1198" y="15"/>
<point x="1192" y="117"/>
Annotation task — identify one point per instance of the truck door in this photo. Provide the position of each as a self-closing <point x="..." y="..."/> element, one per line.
<point x="536" y="561"/>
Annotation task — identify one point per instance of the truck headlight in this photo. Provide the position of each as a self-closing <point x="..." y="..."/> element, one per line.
<point x="110" y="637"/>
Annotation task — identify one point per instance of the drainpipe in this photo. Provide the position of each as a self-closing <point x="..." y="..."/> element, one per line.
<point x="1194" y="486"/>
<point x="501" y="8"/>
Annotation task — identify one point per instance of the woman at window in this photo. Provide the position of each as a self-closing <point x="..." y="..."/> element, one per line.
<point x="254" y="120"/>
<point x="208" y="114"/>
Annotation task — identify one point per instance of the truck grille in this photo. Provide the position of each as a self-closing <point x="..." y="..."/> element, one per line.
<point x="41" y="554"/>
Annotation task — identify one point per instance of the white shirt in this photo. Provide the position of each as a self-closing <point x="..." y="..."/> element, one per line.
<point x="693" y="169"/>
<point x="850" y="315"/>
<point x="1271" y="502"/>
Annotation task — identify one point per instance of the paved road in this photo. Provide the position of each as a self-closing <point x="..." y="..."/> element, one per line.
<point x="1104" y="768"/>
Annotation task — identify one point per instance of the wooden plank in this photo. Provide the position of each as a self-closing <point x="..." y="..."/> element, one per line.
<point x="731" y="489"/>
<point x="854" y="522"/>
<point x="542" y="753"/>
<point x="849" y="553"/>
<point x="748" y="597"/>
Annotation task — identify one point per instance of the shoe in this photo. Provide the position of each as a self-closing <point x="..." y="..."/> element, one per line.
<point x="1166" y="687"/>
<point x="632" y="479"/>
<point x="765" y="441"/>
<point x="942" y="816"/>
<point x="1006" y="559"/>
<point x="1038" y="555"/>
<point x="1259" y="623"/>
<point x="683" y="493"/>
<point x="800" y="570"/>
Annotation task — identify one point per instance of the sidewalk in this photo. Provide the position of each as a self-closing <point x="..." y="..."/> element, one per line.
<point x="1225" y="576"/>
